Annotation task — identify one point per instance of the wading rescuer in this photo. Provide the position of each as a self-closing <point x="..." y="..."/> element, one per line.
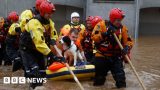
<point x="109" y="56"/>
<point x="33" y="47"/>
<point x="12" y="41"/>
<point x="85" y="36"/>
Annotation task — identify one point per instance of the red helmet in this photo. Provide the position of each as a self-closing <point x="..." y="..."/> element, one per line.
<point x="38" y="3"/>
<point x="46" y="7"/>
<point x="13" y="16"/>
<point x="116" y="13"/>
<point x="94" y="20"/>
<point x="89" y="18"/>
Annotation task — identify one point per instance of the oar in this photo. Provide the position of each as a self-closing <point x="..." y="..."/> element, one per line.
<point x="74" y="76"/>
<point x="130" y="63"/>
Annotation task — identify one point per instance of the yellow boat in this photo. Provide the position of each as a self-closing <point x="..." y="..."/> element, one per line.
<point x="63" y="73"/>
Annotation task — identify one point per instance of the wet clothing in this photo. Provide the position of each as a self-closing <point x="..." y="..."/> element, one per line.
<point x="87" y="44"/>
<point x="50" y="33"/>
<point x="109" y="56"/>
<point x="32" y="50"/>
<point x="34" y="45"/>
<point x="113" y="64"/>
<point x="12" y="41"/>
<point x="105" y="42"/>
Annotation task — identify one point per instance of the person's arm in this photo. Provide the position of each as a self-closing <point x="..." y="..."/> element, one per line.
<point x="126" y="39"/>
<point x="24" y="18"/>
<point x="65" y="30"/>
<point x="97" y="32"/>
<point x="54" y="35"/>
<point x="35" y="29"/>
<point x="81" y="35"/>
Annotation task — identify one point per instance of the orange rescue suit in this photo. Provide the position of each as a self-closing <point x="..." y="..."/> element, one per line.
<point x="107" y="46"/>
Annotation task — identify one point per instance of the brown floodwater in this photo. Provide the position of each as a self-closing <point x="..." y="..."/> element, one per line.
<point x="145" y="58"/>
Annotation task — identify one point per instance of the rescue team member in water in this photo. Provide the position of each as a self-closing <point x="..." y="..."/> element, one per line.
<point x="12" y="41"/>
<point x="50" y="31"/>
<point x="109" y="56"/>
<point x="85" y="36"/>
<point x="33" y="46"/>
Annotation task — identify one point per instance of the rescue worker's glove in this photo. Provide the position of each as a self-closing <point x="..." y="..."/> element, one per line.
<point x="111" y="29"/>
<point x="52" y="42"/>
<point x="54" y="58"/>
<point x="60" y="59"/>
<point x="125" y="50"/>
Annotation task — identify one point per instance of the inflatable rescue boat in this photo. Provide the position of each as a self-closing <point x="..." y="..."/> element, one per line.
<point x="57" y="71"/>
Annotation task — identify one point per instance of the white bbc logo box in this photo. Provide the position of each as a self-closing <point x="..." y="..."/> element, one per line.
<point x="14" y="80"/>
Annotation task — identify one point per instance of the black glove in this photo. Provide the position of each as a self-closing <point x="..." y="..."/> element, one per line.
<point x="125" y="50"/>
<point x="52" y="42"/>
<point x="111" y="29"/>
<point x="60" y="59"/>
<point x="54" y="58"/>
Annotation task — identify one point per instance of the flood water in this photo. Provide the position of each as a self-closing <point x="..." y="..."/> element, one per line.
<point x="145" y="58"/>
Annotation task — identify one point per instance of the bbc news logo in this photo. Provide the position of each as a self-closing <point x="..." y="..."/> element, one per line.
<point x="22" y="80"/>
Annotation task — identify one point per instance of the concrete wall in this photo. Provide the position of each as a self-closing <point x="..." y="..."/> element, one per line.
<point x="17" y="5"/>
<point x="102" y="9"/>
<point x="62" y="15"/>
<point x="149" y="3"/>
<point x="75" y="3"/>
<point x="20" y="5"/>
<point x="149" y="22"/>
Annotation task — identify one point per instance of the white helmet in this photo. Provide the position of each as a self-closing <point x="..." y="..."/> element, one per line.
<point x="75" y="14"/>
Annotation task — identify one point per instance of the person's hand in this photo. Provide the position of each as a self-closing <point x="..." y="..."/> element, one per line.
<point x="125" y="50"/>
<point x="60" y="59"/>
<point x="111" y="29"/>
<point x="54" y="58"/>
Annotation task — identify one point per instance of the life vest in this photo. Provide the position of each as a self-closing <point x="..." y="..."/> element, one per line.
<point x="47" y="26"/>
<point x="78" y="27"/>
<point x="66" y="29"/>
<point x="109" y="45"/>
<point x="12" y="38"/>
